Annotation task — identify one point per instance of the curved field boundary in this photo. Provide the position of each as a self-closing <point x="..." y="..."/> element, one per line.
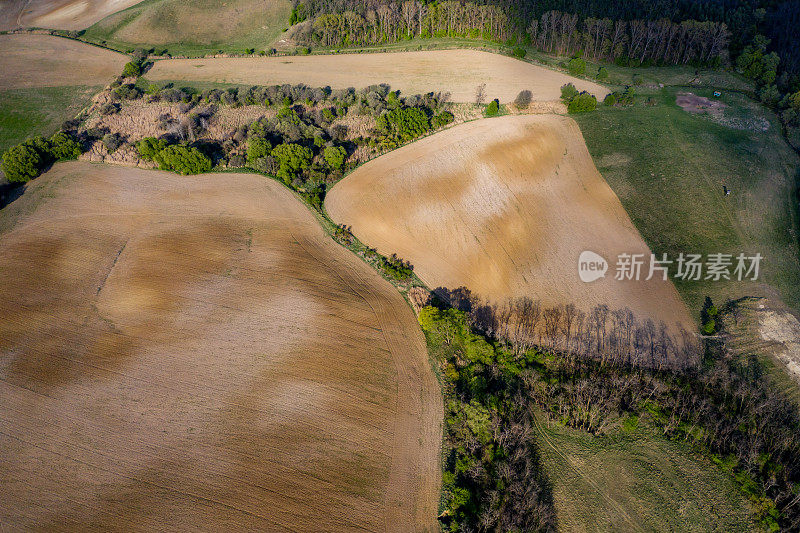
<point x="196" y="353"/>
<point x="456" y="71"/>
<point x="504" y="207"/>
<point x="58" y="14"/>
<point x="34" y="60"/>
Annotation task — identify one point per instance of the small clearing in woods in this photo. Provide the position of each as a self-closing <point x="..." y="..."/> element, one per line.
<point x="504" y="207"/>
<point x="458" y="72"/>
<point x="196" y="353"/>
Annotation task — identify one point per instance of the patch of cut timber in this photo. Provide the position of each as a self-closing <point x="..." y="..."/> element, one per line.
<point x="196" y="353"/>
<point x="504" y="207"/>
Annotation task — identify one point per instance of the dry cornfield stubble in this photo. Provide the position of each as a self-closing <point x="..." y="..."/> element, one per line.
<point x="196" y="353"/>
<point x="504" y="207"/>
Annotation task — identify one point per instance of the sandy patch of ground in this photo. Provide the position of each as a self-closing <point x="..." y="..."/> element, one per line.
<point x="504" y="207"/>
<point x="782" y="328"/>
<point x="32" y="60"/>
<point x="456" y="71"/>
<point x="58" y="14"/>
<point x="194" y="353"/>
<point x="719" y="112"/>
<point x="691" y="103"/>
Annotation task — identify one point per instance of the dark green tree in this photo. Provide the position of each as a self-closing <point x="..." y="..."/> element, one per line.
<point x="22" y="163"/>
<point x="183" y="160"/>
<point x="291" y="159"/>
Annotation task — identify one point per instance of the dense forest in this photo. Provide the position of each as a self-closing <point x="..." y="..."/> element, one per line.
<point x="639" y="31"/>
<point x="579" y="369"/>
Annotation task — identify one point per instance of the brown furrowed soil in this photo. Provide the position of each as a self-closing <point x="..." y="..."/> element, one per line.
<point x="58" y="14"/>
<point x="504" y="207"/>
<point x="32" y="60"/>
<point x="456" y="71"/>
<point x="194" y="353"/>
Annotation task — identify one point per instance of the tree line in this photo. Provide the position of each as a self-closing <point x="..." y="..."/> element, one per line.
<point x="610" y="335"/>
<point x="635" y="41"/>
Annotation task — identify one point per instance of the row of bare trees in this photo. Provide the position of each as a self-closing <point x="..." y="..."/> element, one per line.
<point x="659" y="41"/>
<point x="608" y="335"/>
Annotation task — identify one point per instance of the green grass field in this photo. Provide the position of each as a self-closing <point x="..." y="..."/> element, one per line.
<point x="185" y="27"/>
<point x="668" y="168"/>
<point x="42" y="110"/>
<point x="636" y="480"/>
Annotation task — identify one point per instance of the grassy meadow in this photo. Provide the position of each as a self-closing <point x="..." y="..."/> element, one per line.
<point x="184" y="27"/>
<point x="636" y="480"/>
<point x="41" y="110"/>
<point x="668" y="168"/>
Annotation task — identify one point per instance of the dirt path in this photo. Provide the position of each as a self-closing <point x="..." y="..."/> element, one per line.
<point x="195" y="353"/>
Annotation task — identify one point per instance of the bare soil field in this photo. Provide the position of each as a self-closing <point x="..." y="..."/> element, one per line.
<point x="456" y="71"/>
<point x="504" y="207"/>
<point x="58" y="14"/>
<point x="194" y="353"/>
<point x="32" y="60"/>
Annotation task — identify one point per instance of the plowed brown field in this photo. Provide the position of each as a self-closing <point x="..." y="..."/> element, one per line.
<point x="504" y="207"/>
<point x="58" y="14"/>
<point x="456" y="71"/>
<point x="194" y="353"/>
<point x="32" y="60"/>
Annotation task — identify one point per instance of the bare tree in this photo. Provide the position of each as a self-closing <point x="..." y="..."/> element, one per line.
<point x="480" y="94"/>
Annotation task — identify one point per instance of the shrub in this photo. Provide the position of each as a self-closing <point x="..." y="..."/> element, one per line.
<point x="64" y="147"/>
<point x="610" y="99"/>
<point x="257" y="148"/>
<point x="150" y="146"/>
<point x="183" y="160"/>
<point x="128" y="91"/>
<point x="568" y="92"/>
<point x="404" y="124"/>
<point x="523" y="99"/>
<point x="442" y="119"/>
<point x="582" y="103"/>
<point x="602" y="73"/>
<point x="112" y="141"/>
<point x="493" y="108"/>
<point x="109" y="108"/>
<point x="335" y="156"/>
<point x="576" y="66"/>
<point x="291" y="159"/>
<point x="520" y="52"/>
<point x="22" y="163"/>
<point x="132" y="69"/>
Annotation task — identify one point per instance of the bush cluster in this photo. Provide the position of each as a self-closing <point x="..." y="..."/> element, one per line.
<point x="577" y="102"/>
<point x="179" y="158"/>
<point x="28" y="159"/>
